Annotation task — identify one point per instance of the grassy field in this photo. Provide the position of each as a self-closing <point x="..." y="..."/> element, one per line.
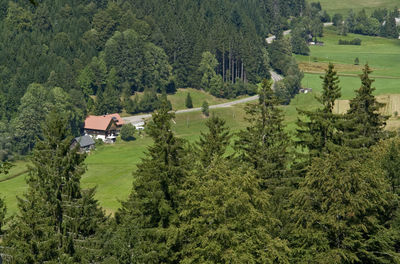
<point x="343" y="6"/>
<point x="383" y="55"/>
<point x="198" y="97"/>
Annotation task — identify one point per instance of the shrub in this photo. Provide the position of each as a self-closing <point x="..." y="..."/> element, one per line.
<point x="127" y="132"/>
<point x="355" y="41"/>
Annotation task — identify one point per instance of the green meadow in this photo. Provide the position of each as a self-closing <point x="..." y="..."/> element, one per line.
<point x="383" y="55"/>
<point x="343" y="6"/>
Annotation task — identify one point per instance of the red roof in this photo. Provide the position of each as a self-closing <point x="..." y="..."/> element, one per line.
<point x="102" y="122"/>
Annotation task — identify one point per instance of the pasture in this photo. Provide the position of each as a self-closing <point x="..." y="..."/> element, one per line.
<point x="343" y="6"/>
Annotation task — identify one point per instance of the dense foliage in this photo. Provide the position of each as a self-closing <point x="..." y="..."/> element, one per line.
<point x="262" y="201"/>
<point x="100" y="53"/>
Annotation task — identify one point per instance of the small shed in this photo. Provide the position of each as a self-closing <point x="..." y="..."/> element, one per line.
<point x="86" y="143"/>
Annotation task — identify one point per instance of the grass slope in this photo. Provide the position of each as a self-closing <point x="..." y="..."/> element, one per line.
<point x="343" y="6"/>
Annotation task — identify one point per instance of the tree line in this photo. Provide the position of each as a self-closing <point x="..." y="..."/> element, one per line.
<point x="329" y="195"/>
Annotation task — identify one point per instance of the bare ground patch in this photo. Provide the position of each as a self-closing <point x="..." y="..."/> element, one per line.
<point x="391" y="109"/>
<point x="320" y="67"/>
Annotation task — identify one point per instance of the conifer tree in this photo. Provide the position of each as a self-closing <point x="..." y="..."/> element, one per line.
<point x="364" y="125"/>
<point x="146" y="223"/>
<point x="338" y="211"/>
<point x="225" y="218"/>
<point x="264" y="144"/>
<point x="188" y="101"/>
<point x="317" y="128"/>
<point x="214" y="143"/>
<point x="57" y="221"/>
<point x="3" y="212"/>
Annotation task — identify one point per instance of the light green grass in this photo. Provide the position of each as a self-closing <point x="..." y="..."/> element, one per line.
<point x="383" y="55"/>
<point x="178" y="100"/>
<point x="350" y="84"/>
<point x="343" y="6"/>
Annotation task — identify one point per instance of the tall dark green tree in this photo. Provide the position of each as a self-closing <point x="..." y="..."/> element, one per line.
<point x="264" y="144"/>
<point x="147" y="223"/>
<point x="364" y="124"/>
<point x="188" y="101"/>
<point x="57" y="220"/>
<point x="318" y="128"/>
<point x="213" y="143"/>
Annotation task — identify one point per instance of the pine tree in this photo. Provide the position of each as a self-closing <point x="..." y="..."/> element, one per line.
<point x="364" y="125"/>
<point x="339" y="211"/>
<point x="188" y="101"/>
<point x="57" y="221"/>
<point x="146" y="224"/>
<point x="225" y="218"/>
<point x="214" y="143"/>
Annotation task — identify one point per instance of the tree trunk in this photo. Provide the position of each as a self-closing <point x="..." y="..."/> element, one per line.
<point x="223" y="64"/>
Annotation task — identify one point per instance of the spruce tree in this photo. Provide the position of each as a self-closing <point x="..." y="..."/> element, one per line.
<point x="226" y="218"/>
<point x="146" y="224"/>
<point x="57" y="221"/>
<point x="188" y="101"/>
<point x="214" y="143"/>
<point x="316" y="129"/>
<point x="364" y="125"/>
<point x="264" y="144"/>
<point x="339" y="211"/>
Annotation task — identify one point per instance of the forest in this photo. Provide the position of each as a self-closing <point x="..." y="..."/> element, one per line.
<point x="96" y="55"/>
<point x="328" y="194"/>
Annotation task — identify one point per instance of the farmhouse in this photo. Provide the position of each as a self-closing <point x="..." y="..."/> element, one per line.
<point x="104" y="127"/>
<point x="86" y="143"/>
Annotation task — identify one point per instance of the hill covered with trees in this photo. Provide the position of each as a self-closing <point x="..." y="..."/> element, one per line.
<point x="101" y="52"/>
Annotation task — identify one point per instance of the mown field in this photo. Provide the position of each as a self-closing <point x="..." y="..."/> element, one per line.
<point x="383" y="55"/>
<point x="343" y="6"/>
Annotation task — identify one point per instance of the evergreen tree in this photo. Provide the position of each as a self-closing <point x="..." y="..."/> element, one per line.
<point x="205" y="108"/>
<point x="188" y="101"/>
<point x="264" y="144"/>
<point x="364" y="125"/>
<point x="3" y="212"/>
<point x="318" y="128"/>
<point x="214" y="143"/>
<point x="339" y="211"/>
<point x="225" y="218"/>
<point x="57" y="221"/>
<point x="146" y="229"/>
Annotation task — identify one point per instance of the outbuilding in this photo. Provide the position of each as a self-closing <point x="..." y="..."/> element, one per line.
<point x="86" y="143"/>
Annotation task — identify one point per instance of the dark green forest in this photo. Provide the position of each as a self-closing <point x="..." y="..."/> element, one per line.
<point x="102" y="52"/>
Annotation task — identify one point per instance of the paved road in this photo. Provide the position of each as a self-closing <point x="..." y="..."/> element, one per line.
<point x="287" y="32"/>
<point x="138" y="118"/>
